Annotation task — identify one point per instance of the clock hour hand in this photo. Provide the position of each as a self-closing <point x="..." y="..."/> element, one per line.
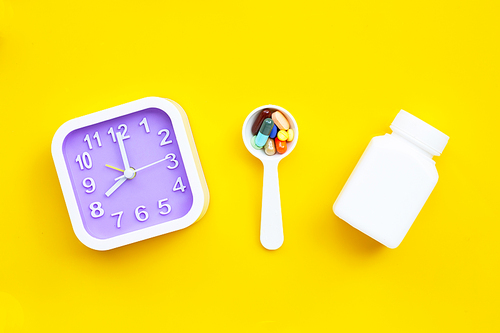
<point x="115" y="186"/>
<point x="122" y="150"/>
<point x="144" y="167"/>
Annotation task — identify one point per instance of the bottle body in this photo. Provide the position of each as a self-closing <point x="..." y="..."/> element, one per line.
<point x="387" y="189"/>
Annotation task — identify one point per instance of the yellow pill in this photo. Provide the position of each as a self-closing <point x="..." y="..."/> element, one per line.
<point x="290" y="135"/>
<point x="282" y="135"/>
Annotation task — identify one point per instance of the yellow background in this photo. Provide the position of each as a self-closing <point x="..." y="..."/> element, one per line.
<point x="343" y="69"/>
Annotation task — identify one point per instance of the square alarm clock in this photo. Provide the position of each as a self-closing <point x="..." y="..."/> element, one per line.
<point x="130" y="172"/>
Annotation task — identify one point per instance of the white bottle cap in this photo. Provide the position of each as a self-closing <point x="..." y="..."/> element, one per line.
<point x="427" y="136"/>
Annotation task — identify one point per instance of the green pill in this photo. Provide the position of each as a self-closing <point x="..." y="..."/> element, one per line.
<point x="253" y="143"/>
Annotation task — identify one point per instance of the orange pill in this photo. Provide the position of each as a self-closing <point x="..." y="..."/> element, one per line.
<point x="280" y="121"/>
<point x="280" y="145"/>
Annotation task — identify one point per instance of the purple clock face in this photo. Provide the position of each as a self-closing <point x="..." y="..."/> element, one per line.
<point x="153" y="190"/>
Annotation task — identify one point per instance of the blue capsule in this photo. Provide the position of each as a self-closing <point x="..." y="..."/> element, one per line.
<point x="274" y="132"/>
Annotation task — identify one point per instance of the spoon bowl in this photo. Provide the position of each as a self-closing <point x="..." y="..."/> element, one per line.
<point x="271" y="228"/>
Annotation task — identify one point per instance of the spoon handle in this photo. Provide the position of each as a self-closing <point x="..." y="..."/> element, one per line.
<point x="271" y="223"/>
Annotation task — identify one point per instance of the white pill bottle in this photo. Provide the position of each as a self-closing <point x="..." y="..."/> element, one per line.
<point x="392" y="180"/>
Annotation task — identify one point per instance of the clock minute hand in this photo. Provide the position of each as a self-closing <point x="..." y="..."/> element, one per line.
<point x="144" y="167"/>
<point x="122" y="150"/>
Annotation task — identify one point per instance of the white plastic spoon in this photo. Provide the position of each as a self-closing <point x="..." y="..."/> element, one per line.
<point x="271" y="223"/>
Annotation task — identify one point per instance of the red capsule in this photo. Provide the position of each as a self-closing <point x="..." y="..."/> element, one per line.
<point x="266" y="113"/>
<point x="280" y="145"/>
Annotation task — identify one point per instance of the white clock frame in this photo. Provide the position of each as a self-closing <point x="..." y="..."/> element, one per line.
<point x="189" y="155"/>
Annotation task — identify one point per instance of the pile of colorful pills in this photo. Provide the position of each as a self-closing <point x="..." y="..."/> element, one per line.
<point x="271" y="131"/>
